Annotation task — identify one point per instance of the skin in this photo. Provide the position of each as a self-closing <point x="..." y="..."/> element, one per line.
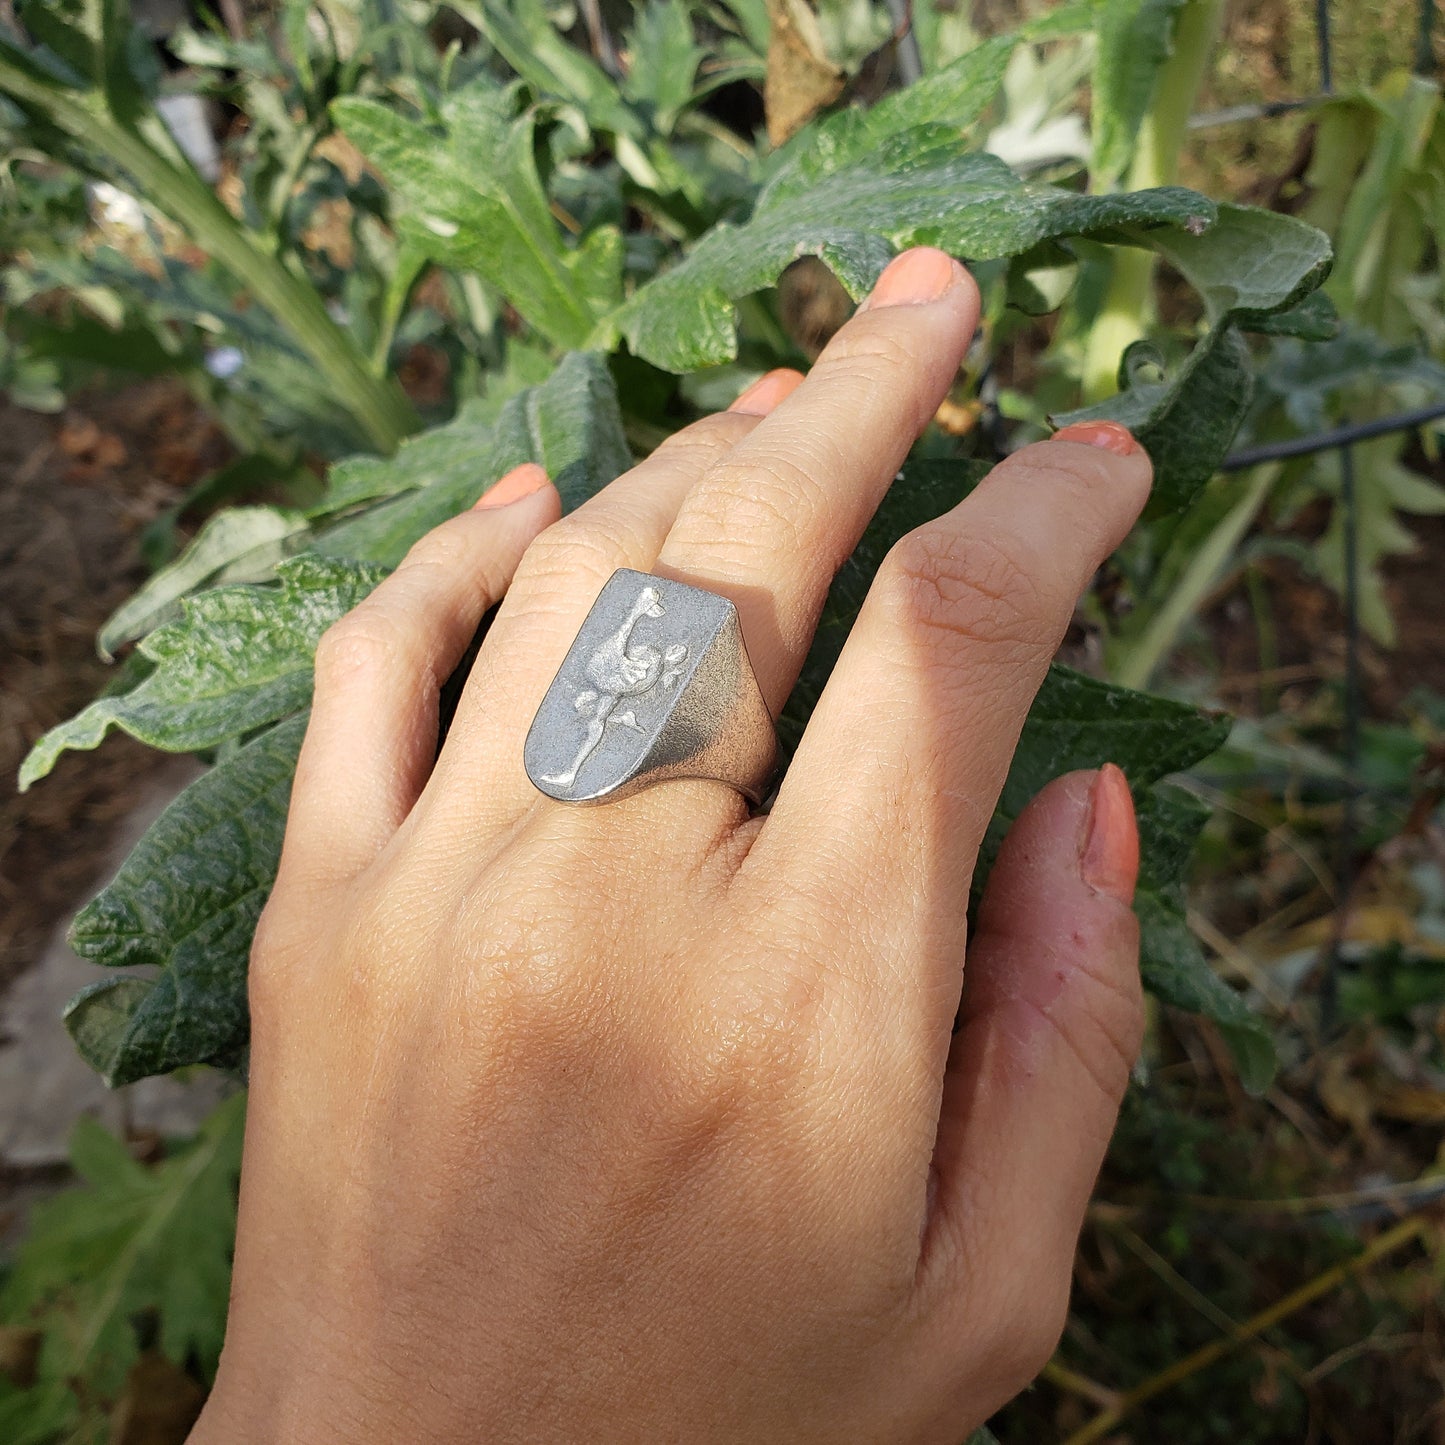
<point x="649" y="1122"/>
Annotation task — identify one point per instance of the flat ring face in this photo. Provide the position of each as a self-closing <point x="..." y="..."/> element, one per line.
<point x="656" y="685"/>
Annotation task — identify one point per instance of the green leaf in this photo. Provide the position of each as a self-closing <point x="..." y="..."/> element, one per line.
<point x="570" y="424"/>
<point x="1187" y="424"/>
<point x="239" y="658"/>
<point x="37" y="1416"/>
<point x="132" y="1239"/>
<point x="1080" y="722"/>
<point x="1249" y="263"/>
<point x="1135" y="38"/>
<point x="1250" y="266"/>
<point x="665" y="59"/>
<point x="1313" y="319"/>
<point x="1176" y="971"/>
<point x="527" y="40"/>
<point x="953" y="97"/>
<point x="186" y="901"/>
<point x="239" y="542"/>
<point x="470" y="198"/>
<point x="919" y="187"/>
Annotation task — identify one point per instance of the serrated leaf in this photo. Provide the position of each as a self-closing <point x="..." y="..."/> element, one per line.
<point x="920" y="187"/>
<point x="132" y="1239"/>
<point x="1135" y="38"/>
<point x="240" y="540"/>
<point x="239" y="658"/>
<point x="186" y="901"/>
<point x="570" y="424"/>
<point x="469" y="197"/>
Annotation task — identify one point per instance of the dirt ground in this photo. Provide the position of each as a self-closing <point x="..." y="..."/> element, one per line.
<point x="76" y="490"/>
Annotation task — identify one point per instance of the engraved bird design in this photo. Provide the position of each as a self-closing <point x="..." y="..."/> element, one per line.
<point x="620" y="669"/>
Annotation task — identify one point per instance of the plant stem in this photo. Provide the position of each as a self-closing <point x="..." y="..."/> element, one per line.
<point x="1104" y="1423"/>
<point x="1156" y="163"/>
<point x="1134" y="664"/>
<point x="377" y="405"/>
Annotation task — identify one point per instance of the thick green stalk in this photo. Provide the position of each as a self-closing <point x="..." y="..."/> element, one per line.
<point x="1134" y="663"/>
<point x="1156" y="163"/>
<point x="377" y="405"/>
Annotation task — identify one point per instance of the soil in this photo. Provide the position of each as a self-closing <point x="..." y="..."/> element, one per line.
<point x="76" y="491"/>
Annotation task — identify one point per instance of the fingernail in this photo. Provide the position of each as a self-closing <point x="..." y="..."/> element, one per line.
<point x="1108" y="435"/>
<point x="1110" y="861"/>
<point x="518" y="483"/>
<point x="914" y="278"/>
<point x="767" y="391"/>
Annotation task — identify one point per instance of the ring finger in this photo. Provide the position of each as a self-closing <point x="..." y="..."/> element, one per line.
<point x="480" y="773"/>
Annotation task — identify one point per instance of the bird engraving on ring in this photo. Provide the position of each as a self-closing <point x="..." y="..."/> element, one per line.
<point x="621" y="669"/>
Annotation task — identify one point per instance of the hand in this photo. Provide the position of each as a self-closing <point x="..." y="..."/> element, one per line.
<point x="648" y="1122"/>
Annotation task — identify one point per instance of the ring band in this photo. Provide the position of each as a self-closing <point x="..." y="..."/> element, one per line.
<point x="656" y="685"/>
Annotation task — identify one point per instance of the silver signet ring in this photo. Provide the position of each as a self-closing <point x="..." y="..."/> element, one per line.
<point x="656" y="685"/>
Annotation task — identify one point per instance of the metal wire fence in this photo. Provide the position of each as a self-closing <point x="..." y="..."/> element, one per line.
<point x="1342" y="440"/>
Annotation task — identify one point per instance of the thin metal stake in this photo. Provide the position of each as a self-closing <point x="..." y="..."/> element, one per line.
<point x="910" y="61"/>
<point x="1322" y="33"/>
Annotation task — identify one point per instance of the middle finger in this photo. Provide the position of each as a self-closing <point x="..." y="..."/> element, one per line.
<point x="770" y="523"/>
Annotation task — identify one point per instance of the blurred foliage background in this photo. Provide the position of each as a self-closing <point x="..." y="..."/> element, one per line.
<point x="1262" y="1263"/>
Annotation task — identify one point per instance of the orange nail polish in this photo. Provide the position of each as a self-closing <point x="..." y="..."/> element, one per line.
<point x="1110" y="860"/>
<point x="1107" y="435"/>
<point x="767" y="392"/>
<point x="518" y="483"/>
<point x="914" y="278"/>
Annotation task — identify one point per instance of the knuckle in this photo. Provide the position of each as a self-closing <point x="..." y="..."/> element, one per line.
<point x="267" y="973"/>
<point x="969" y="588"/>
<point x="1086" y="472"/>
<point x="581" y="544"/>
<point x="871" y="350"/>
<point x="450" y="548"/>
<point x="366" y="641"/>
<point x="1028" y="1334"/>
<point x="698" y="444"/>
<point x="774" y="500"/>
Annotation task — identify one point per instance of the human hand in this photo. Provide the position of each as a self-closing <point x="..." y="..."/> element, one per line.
<point x="648" y="1122"/>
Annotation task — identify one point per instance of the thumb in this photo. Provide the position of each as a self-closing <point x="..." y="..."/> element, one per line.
<point x="1052" y="1020"/>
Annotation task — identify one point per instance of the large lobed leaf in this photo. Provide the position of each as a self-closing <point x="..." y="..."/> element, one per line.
<point x="131" y="1240"/>
<point x="239" y="658"/>
<point x="1254" y="270"/>
<point x="186" y="902"/>
<point x="469" y="197"/>
<point x="855" y="205"/>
